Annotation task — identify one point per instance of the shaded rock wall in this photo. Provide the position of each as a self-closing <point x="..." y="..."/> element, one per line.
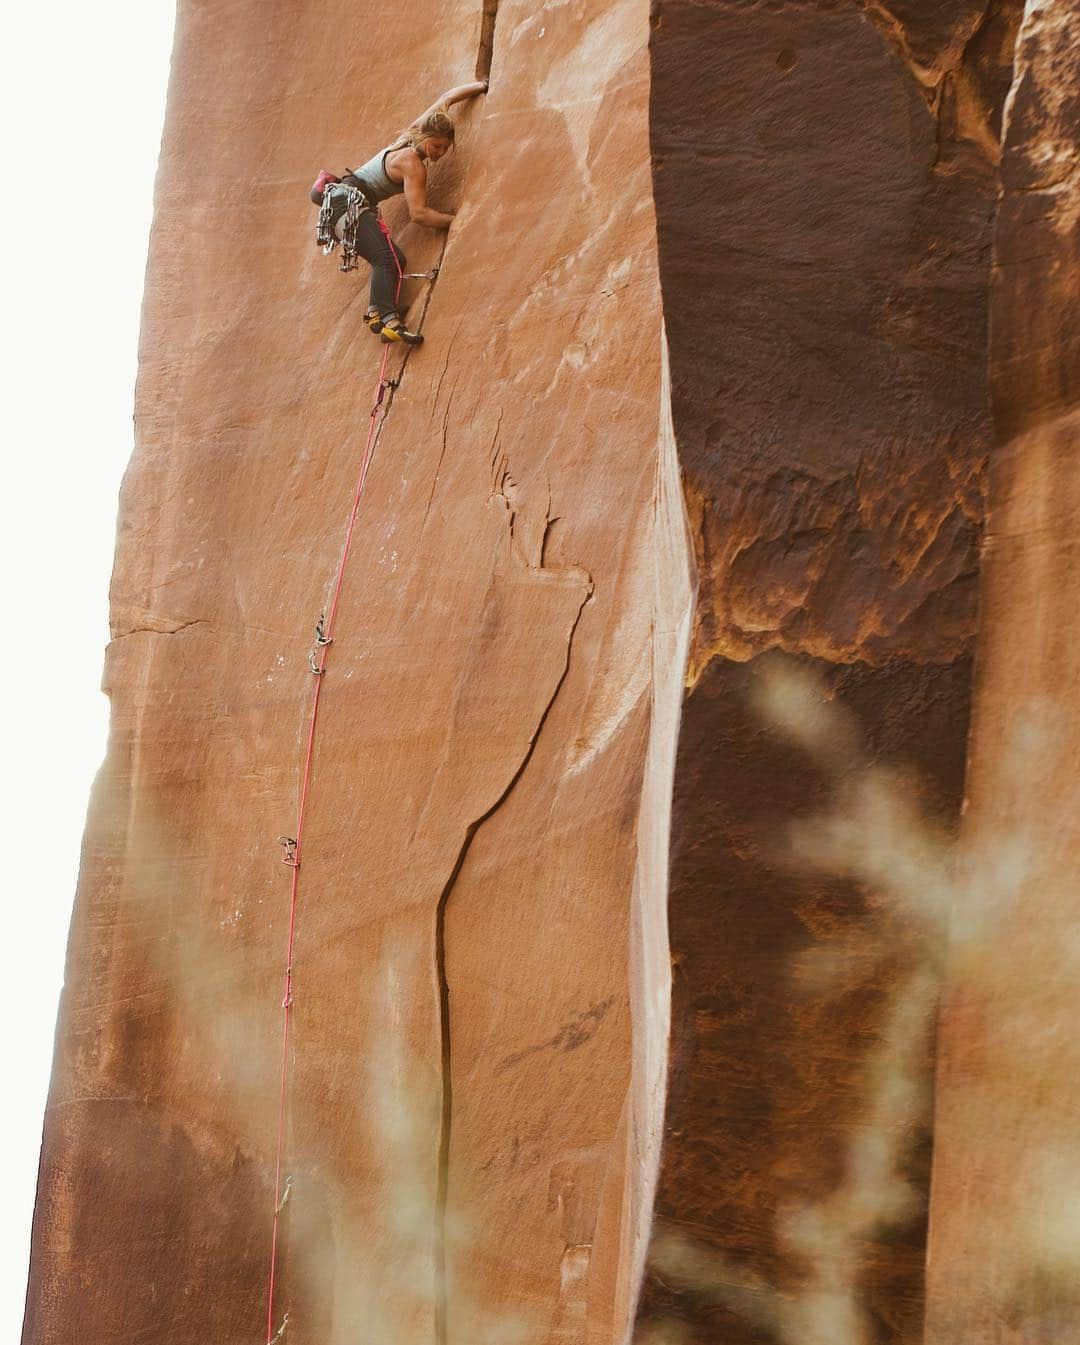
<point x="469" y="1128"/>
<point x="824" y="204"/>
<point x="1006" y="1190"/>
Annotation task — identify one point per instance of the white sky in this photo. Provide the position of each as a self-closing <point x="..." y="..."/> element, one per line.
<point x="82" y="92"/>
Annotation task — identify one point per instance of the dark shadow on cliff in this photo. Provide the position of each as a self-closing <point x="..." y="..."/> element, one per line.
<point x="824" y="179"/>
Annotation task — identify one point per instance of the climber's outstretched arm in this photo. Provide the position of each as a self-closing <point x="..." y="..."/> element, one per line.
<point x="456" y="95"/>
<point x="414" y="173"/>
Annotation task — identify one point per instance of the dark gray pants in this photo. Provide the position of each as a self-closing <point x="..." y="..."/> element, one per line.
<point x="387" y="263"/>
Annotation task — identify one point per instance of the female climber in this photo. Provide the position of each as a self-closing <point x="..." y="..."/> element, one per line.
<point x="402" y="167"/>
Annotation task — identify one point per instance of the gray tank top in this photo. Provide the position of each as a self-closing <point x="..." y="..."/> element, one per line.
<point x="378" y="185"/>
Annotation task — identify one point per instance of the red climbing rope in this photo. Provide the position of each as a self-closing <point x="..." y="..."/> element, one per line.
<point x="293" y="845"/>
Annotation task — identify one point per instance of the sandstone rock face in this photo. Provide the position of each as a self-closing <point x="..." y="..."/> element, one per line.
<point x="1006" y="1187"/>
<point x="474" y="1069"/>
<point x="824" y="210"/>
<point x="642" y="742"/>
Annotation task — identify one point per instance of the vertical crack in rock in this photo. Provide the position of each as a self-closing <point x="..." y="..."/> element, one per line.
<point x="487" y="39"/>
<point x="443" y="1183"/>
<point x="484" y="55"/>
<point x="963" y="72"/>
<point x="485" y="50"/>
<point x="483" y="69"/>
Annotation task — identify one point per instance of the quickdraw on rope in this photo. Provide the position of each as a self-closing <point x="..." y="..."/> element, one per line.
<point x="324" y="638"/>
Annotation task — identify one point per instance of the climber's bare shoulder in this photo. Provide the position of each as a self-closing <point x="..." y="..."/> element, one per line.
<point x="405" y="165"/>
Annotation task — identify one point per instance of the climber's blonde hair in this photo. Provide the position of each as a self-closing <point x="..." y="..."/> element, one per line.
<point x="437" y="122"/>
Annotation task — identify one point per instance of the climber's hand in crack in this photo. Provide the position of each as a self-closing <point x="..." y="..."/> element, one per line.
<point x="429" y="138"/>
<point x="456" y="95"/>
<point x="402" y="168"/>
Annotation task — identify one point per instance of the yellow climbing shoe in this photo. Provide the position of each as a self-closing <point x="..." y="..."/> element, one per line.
<point x="394" y="330"/>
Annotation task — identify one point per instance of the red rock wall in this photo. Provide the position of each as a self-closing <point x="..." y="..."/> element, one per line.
<point x="825" y="188"/>
<point x="479" y="1058"/>
<point x="1006" y="1187"/>
<point x="478" y="1037"/>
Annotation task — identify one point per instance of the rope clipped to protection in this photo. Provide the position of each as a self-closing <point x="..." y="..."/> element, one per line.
<point x="293" y="845"/>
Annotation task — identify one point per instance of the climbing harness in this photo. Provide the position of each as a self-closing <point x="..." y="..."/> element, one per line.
<point x="341" y="203"/>
<point x="319" y="186"/>
<point x="324" y="638"/>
